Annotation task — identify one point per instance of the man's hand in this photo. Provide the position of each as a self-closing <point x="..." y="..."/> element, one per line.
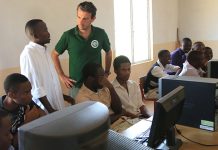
<point x="105" y="82"/>
<point x="68" y="82"/>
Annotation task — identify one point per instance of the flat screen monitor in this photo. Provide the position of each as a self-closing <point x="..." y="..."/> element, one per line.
<point x="167" y="112"/>
<point x="82" y="126"/>
<point x="212" y="68"/>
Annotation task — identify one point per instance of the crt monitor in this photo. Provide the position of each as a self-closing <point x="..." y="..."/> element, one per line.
<point x="167" y="112"/>
<point x="82" y="126"/>
<point x="212" y="71"/>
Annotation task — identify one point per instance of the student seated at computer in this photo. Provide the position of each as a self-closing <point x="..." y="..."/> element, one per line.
<point x="208" y="55"/>
<point x="96" y="87"/>
<point x="18" y="102"/>
<point x="193" y="64"/>
<point x="158" y="70"/>
<point x="128" y="90"/>
<point x="198" y="46"/>
<point x="5" y="134"/>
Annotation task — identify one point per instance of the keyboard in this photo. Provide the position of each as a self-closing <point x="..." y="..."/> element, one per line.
<point x="120" y="142"/>
<point x="143" y="137"/>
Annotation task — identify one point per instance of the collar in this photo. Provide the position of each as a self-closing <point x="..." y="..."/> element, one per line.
<point x="117" y="84"/>
<point x="159" y="63"/>
<point x="38" y="47"/>
<point x="76" y="31"/>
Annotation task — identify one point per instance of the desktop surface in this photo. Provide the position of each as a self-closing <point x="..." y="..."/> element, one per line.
<point x="201" y="136"/>
<point x="120" y="142"/>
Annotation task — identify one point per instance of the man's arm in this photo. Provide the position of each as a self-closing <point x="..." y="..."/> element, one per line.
<point x="33" y="114"/>
<point x="108" y="59"/>
<point x="69" y="99"/>
<point x="46" y="104"/>
<point x="115" y="100"/>
<point x="144" y="111"/>
<point x="65" y="79"/>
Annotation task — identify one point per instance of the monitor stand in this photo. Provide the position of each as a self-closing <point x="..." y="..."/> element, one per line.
<point x="171" y="142"/>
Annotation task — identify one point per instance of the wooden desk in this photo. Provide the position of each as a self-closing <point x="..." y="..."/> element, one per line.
<point x="198" y="135"/>
<point x="201" y="136"/>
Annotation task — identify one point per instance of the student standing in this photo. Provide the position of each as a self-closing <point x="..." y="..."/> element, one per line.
<point x="84" y="44"/>
<point x="36" y="64"/>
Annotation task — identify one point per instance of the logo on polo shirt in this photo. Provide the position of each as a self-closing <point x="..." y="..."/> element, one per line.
<point x="94" y="44"/>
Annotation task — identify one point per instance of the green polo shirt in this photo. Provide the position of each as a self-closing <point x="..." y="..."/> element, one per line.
<point x="82" y="51"/>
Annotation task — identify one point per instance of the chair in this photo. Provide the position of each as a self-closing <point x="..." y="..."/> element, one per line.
<point x="141" y="85"/>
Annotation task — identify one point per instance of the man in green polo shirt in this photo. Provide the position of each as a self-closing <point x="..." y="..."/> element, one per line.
<point x="84" y="44"/>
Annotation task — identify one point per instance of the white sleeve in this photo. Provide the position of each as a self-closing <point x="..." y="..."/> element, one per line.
<point x="29" y="68"/>
<point x="173" y="68"/>
<point x="158" y="72"/>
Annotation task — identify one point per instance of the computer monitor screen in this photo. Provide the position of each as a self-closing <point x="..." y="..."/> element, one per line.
<point x="167" y="112"/>
<point x="212" y="71"/>
<point x="82" y="126"/>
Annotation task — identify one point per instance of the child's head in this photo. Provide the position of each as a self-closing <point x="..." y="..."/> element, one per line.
<point x="93" y="74"/>
<point x="198" y="46"/>
<point x="208" y="53"/>
<point x="186" y="44"/>
<point x="195" y="58"/>
<point x="37" y="31"/>
<point x="5" y="134"/>
<point x="122" y="67"/>
<point x="18" y="88"/>
<point x="164" y="57"/>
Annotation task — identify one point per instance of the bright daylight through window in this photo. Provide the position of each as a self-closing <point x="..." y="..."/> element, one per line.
<point x="133" y="29"/>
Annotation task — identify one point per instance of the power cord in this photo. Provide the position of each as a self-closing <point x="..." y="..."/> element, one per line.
<point x="180" y="133"/>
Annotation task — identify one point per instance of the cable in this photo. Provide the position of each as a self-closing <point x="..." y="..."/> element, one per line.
<point x="180" y="133"/>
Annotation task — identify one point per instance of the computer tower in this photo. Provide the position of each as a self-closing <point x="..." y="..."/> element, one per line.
<point x="199" y="109"/>
<point x="212" y="71"/>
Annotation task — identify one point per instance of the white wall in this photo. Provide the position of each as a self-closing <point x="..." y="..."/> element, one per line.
<point x="59" y="16"/>
<point x="165" y="20"/>
<point x="198" y="20"/>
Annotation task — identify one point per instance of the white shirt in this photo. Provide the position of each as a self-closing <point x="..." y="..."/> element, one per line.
<point x="102" y="95"/>
<point x="161" y="71"/>
<point x="131" y="100"/>
<point x="189" y="70"/>
<point x="36" y="64"/>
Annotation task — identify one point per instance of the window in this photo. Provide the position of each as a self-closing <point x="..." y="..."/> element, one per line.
<point x="132" y="29"/>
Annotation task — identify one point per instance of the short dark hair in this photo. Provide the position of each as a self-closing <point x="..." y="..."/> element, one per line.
<point x="184" y="40"/>
<point x="3" y="114"/>
<point x="162" y="52"/>
<point x="30" y="26"/>
<point x="119" y="60"/>
<point x="90" y="69"/>
<point x="194" y="57"/>
<point x="88" y="7"/>
<point x="198" y="46"/>
<point x="12" y="81"/>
